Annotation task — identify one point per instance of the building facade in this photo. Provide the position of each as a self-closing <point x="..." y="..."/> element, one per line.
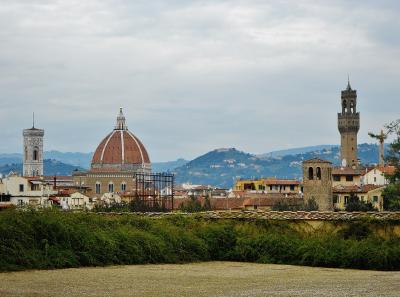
<point x="348" y="125"/>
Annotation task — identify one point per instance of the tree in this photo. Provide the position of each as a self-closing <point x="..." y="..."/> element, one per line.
<point x="391" y="194"/>
<point x="194" y="205"/>
<point x="355" y="204"/>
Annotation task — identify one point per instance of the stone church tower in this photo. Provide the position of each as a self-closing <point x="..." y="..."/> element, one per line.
<point x="33" y="151"/>
<point x="349" y="124"/>
<point x="317" y="183"/>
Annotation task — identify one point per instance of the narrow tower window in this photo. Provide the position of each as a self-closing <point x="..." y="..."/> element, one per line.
<point x="344" y="106"/>
<point x="310" y="173"/>
<point x="35" y="154"/>
<point x="318" y="172"/>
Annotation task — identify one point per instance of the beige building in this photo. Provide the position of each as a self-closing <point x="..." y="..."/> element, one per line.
<point x="268" y="185"/>
<point x="33" y="191"/>
<point x="346" y="176"/>
<point x="366" y="193"/>
<point x="116" y="160"/>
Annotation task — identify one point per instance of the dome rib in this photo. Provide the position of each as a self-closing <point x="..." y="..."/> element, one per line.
<point x="105" y="146"/>
<point x="138" y="145"/>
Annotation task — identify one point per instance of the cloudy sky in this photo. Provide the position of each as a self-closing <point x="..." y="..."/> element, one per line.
<point x="193" y="76"/>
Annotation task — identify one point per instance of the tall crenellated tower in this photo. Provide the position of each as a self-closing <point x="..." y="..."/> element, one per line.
<point x="33" y="151"/>
<point x="349" y="124"/>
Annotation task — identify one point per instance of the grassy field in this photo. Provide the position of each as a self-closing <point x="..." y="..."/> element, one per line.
<point x="201" y="279"/>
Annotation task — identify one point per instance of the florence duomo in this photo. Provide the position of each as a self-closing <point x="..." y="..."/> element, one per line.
<point x="199" y="148"/>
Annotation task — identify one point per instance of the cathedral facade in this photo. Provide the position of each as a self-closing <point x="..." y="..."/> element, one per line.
<point x="116" y="161"/>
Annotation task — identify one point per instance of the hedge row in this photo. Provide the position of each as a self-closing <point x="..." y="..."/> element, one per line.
<point x="52" y="239"/>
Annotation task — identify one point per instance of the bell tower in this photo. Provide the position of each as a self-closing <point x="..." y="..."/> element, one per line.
<point x="33" y="151"/>
<point x="349" y="124"/>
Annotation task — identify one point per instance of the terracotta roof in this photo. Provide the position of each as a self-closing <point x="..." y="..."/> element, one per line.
<point x="355" y="188"/>
<point x="281" y="182"/>
<point x="346" y="171"/>
<point x="389" y="169"/>
<point x="120" y="147"/>
<point x="314" y="160"/>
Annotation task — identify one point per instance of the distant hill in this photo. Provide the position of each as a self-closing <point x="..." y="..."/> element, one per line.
<point x="82" y="160"/>
<point x="296" y="151"/>
<point x="219" y="167"/>
<point x="222" y="166"/>
<point x="167" y="166"/>
<point x="77" y="159"/>
<point x="51" y="167"/>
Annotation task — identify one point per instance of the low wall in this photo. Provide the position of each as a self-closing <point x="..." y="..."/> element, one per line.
<point x="275" y="215"/>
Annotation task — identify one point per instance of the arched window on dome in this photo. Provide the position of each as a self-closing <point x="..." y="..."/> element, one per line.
<point x="111" y="187"/>
<point x="98" y="187"/>
<point x="123" y="186"/>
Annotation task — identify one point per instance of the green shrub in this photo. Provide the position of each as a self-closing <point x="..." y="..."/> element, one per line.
<point x="53" y="239"/>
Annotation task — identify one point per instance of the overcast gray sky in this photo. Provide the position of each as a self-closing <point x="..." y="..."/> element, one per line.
<point x="193" y="76"/>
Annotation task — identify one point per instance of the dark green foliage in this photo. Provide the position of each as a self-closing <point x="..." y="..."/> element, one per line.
<point x="391" y="194"/>
<point x="310" y="205"/>
<point x="194" y="205"/>
<point x="355" y="204"/>
<point x="54" y="239"/>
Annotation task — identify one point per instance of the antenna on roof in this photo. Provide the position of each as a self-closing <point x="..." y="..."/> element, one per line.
<point x="33" y="120"/>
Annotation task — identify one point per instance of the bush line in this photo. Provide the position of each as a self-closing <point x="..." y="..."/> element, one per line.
<point x="52" y="239"/>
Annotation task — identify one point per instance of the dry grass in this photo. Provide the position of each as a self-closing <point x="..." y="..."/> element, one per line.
<point x="201" y="279"/>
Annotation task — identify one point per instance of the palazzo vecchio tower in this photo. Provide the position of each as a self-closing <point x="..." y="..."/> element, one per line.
<point x="349" y="124"/>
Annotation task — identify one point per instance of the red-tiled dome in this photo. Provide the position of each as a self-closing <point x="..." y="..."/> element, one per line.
<point x="120" y="150"/>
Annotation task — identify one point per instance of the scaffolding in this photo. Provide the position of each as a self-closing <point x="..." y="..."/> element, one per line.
<point x="154" y="191"/>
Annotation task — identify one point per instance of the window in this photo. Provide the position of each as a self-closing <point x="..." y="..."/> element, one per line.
<point x="346" y="199"/>
<point x="21" y="187"/>
<point x="310" y="173"/>
<point x="318" y="172"/>
<point x="20" y="202"/>
<point x="98" y="188"/>
<point x="291" y="187"/>
<point x="111" y="188"/>
<point x="335" y="199"/>
<point x="35" y="154"/>
<point x="375" y="179"/>
<point x="336" y="177"/>
<point x="375" y="199"/>
<point x="270" y="188"/>
<point x="123" y="187"/>
<point x="349" y="178"/>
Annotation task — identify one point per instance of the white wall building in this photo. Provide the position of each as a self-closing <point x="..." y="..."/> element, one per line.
<point x="376" y="176"/>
